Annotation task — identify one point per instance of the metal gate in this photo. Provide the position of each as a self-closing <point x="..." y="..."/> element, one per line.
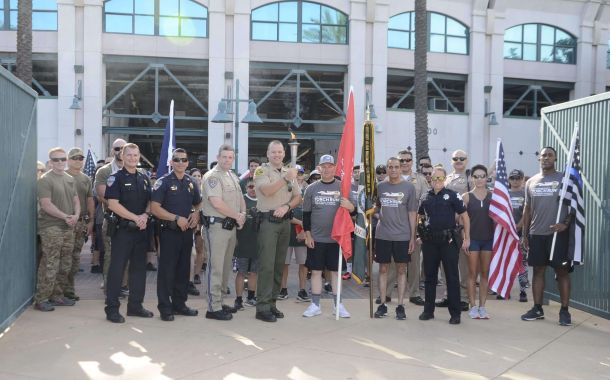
<point x="18" y="200"/>
<point x="590" y="282"/>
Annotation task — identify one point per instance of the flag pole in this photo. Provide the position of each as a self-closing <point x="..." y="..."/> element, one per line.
<point x="564" y="186"/>
<point x="370" y="262"/>
<point x="339" y="269"/>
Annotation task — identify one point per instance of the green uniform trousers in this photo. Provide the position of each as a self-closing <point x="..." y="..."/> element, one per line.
<point x="57" y="244"/>
<point x="273" y="242"/>
<point x="221" y="245"/>
<point x="80" y="232"/>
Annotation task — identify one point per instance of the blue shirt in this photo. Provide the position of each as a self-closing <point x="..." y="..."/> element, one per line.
<point x="441" y="208"/>
<point x="132" y="190"/>
<point x="177" y="196"/>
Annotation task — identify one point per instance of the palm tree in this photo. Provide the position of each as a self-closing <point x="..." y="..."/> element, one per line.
<point x="23" y="70"/>
<point x="421" y="79"/>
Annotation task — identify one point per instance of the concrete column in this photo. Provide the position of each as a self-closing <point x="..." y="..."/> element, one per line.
<point x="66" y="59"/>
<point x="379" y="72"/>
<point x="496" y="27"/>
<point x="585" y="63"/>
<point x="356" y="67"/>
<point x="478" y="129"/>
<point x="93" y="78"/>
<point x="601" y="55"/>
<point x="217" y="68"/>
<point x="241" y="71"/>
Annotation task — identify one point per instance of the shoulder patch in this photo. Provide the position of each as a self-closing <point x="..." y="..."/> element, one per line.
<point x="212" y="181"/>
<point x="259" y="171"/>
<point x="158" y="184"/>
<point x="110" y="180"/>
<point x="458" y="195"/>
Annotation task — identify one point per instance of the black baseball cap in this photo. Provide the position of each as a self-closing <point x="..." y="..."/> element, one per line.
<point x="516" y="173"/>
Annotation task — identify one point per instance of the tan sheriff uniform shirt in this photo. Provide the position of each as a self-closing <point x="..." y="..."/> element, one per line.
<point x="419" y="182"/>
<point x="218" y="183"/>
<point x="264" y="175"/>
<point x="457" y="182"/>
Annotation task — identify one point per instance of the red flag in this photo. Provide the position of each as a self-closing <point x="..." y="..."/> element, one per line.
<point x="343" y="225"/>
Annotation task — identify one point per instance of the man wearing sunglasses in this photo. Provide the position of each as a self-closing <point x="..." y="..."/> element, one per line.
<point x="459" y="182"/>
<point x="84" y="225"/>
<point x="101" y="177"/>
<point x="175" y="203"/>
<point x="128" y="193"/>
<point x="59" y="212"/>
<point x="421" y="188"/>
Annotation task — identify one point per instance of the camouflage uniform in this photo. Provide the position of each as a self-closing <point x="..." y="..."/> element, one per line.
<point x="80" y="232"/>
<point x="55" y="263"/>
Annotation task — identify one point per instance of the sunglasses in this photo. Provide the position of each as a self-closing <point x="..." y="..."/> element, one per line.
<point x="62" y="159"/>
<point x="479" y="176"/>
<point x="183" y="160"/>
<point x="117" y="148"/>
<point x="438" y="178"/>
<point x="427" y="173"/>
<point x="403" y="160"/>
<point x="380" y="172"/>
<point x="515" y="178"/>
<point x="77" y="158"/>
<point x="456" y="159"/>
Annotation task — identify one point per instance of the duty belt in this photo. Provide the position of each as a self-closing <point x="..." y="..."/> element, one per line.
<point x="84" y="217"/>
<point x="214" y="219"/>
<point x="266" y="214"/>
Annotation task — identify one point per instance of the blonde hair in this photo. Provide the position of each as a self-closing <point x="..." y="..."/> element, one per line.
<point x="56" y="149"/>
<point x="130" y="146"/>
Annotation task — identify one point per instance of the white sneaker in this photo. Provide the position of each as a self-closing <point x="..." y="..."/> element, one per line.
<point x="483" y="314"/>
<point x="343" y="313"/>
<point x="312" y="310"/>
<point x="474" y="312"/>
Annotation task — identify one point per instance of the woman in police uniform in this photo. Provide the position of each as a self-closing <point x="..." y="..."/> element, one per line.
<point x="440" y="242"/>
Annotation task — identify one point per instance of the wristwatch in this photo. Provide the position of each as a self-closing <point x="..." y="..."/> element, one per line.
<point x="176" y="218"/>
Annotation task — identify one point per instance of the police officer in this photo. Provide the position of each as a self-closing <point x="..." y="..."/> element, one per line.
<point x="441" y="242"/>
<point x="128" y="195"/>
<point x="224" y="210"/>
<point x="277" y="194"/>
<point x="174" y="196"/>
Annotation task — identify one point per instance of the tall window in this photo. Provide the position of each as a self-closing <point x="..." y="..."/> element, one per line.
<point x="184" y="18"/>
<point x="539" y="42"/>
<point x="299" y="21"/>
<point x="44" y="15"/>
<point x="445" y="34"/>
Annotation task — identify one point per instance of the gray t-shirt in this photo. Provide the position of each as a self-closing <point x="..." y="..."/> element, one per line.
<point x="395" y="201"/>
<point x="542" y="196"/>
<point x="322" y="200"/>
<point x="517" y="199"/>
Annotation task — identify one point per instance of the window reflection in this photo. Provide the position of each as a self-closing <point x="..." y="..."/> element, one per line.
<point x="44" y="15"/>
<point x="538" y="42"/>
<point x="445" y="35"/>
<point x="183" y="18"/>
<point x="280" y="22"/>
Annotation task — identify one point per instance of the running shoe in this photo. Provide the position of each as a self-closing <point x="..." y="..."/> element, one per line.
<point x="312" y="310"/>
<point x="565" y="319"/>
<point x="382" y="311"/>
<point x="303" y="296"/>
<point x="474" y="312"/>
<point x="283" y="294"/>
<point x="483" y="314"/>
<point x="343" y="313"/>
<point x="400" y="313"/>
<point x="533" y="314"/>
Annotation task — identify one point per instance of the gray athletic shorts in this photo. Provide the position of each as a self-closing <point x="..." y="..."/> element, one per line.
<point x="300" y="254"/>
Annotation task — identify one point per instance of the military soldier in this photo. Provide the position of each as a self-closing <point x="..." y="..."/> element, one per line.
<point x="174" y="196"/>
<point x="101" y="177"/>
<point x="441" y="242"/>
<point x="223" y="209"/>
<point x="59" y="213"/>
<point x="278" y="193"/>
<point x="84" y="226"/>
<point x="128" y="194"/>
<point x="459" y="182"/>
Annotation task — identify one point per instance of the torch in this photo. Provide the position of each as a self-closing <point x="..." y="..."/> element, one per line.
<point x="294" y="147"/>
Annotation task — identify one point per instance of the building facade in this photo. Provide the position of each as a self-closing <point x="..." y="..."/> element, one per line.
<point x="107" y="69"/>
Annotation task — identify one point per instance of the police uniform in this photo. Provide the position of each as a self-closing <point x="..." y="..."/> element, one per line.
<point x="439" y="244"/>
<point x="129" y="243"/>
<point x="274" y="236"/>
<point x="460" y="183"/>
<point x="176" y="196"/>
<point x="220" y="241"/>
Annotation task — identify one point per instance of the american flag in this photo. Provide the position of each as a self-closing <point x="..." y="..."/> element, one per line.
<point x="89" y="168"/>
<point x="505" y="262"/>
<point x="573" y="199"/>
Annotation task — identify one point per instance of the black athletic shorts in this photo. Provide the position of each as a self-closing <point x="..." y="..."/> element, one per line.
<point x="540" y="250"/>
<point x="323" y="256"/>
<point x="386" y="250"/>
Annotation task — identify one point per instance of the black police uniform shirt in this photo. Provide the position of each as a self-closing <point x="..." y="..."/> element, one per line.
<point x="132" y="190"/>
<point x="176" y="196"/>
<point x="441" y="208"/>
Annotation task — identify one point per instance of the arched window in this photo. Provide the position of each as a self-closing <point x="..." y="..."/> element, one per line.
<point x="44" y="15"/>
<point x="299" y="21"/>
<point x="539" y="42"/>
<point x="183" y="18"/>
<point x="445" y="34"/>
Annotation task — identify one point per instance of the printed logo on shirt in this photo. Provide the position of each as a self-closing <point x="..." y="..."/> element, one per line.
<point x="545" y="189"/>
<point x="391" y="199"/>
<point x="326" y="198"/>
